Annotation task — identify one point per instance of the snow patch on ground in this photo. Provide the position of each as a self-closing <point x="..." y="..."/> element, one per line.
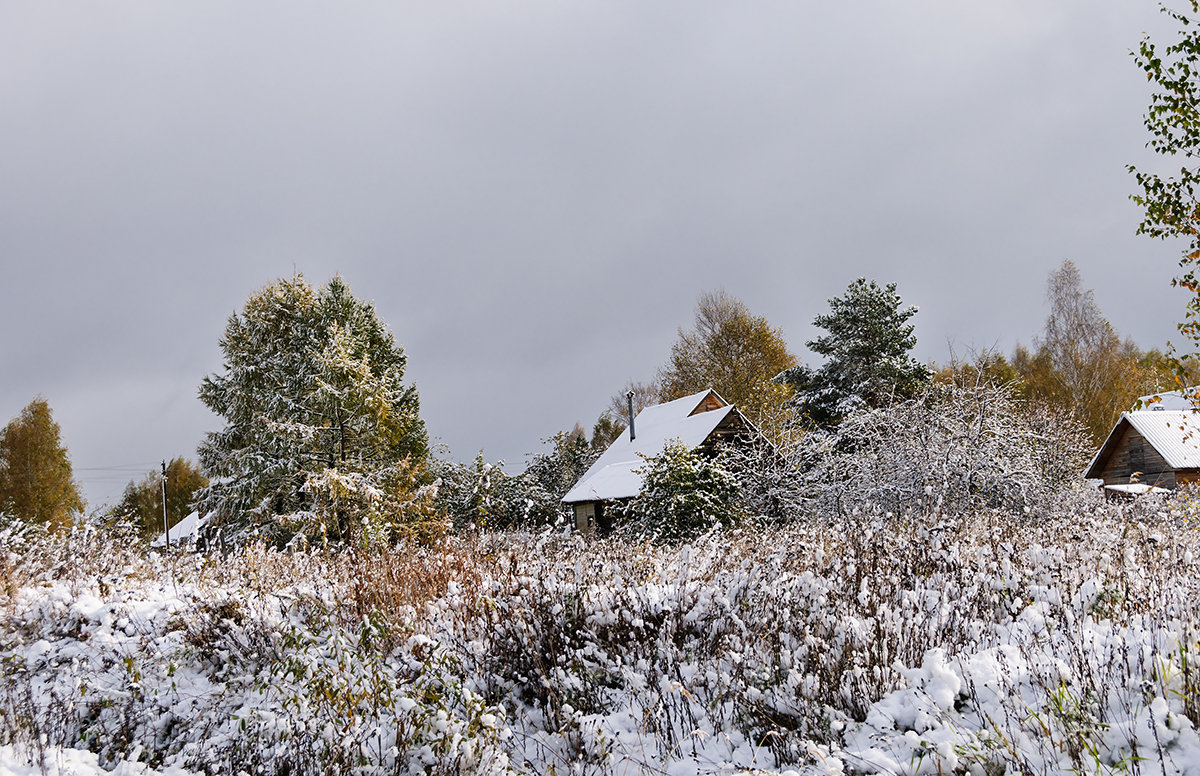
<point x="71" y="762"/>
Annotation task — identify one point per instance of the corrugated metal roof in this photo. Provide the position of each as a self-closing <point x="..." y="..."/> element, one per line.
<point x="1175" y="434"/>
<point x="614" y="474"/>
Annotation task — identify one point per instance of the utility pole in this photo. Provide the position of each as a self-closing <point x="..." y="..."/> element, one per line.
<point x="166" y="528"/>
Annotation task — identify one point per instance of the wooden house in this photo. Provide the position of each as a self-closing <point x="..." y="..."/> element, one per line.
<point x="1155" y="448"/>
<point x="700" y="421"/>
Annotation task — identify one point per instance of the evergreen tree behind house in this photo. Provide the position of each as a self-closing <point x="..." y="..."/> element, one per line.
<point x="868" y="356"/>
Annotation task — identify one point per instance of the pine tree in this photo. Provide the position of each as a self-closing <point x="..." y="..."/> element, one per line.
<point x="312" y="384"/>
<point x="868" y="356"/>
<point x="36" y="481"/>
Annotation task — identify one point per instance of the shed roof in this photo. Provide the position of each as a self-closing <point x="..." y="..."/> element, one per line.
<point x="1174" y="434"/>
<point x="1136" y="489"/>
<point x="614" y="474"/>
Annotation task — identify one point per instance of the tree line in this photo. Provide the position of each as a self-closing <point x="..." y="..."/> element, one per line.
<point x="324" y="441"/>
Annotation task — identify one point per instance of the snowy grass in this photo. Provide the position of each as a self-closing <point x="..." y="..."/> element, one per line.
<point x="984" y="644"/>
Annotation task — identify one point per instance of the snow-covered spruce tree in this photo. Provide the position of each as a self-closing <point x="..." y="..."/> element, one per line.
<point x="312" y="396"/>
<point x="947" y="451"/>
<point x="868" y="356"/>
<point x="684" y="493"/>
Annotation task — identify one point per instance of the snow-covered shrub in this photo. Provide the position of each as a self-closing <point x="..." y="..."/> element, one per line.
<point x="271" y="676"/>
<point x="336" y="702"/>
<point x="483" y="495"/>
<point x="16" y="539"/>
<point x="987" y="642"/>
<point x="684" y="493"/>
<point x="480" y="495"/>
<point x="769" y="483"/>
<point x="950" y="450"/>
<point x="551" y="473"/>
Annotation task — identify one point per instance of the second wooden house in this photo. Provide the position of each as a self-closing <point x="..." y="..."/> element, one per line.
<point x="1153" y="448"/>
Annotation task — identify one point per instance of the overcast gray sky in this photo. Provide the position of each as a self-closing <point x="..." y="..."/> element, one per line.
<point x="535" y="194"/>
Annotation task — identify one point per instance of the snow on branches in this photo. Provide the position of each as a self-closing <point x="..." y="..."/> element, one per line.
<point x="949" y="449"/>
<point x="315" y="410"/>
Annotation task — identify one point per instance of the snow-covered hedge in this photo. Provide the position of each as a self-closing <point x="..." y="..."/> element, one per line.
<point x="984" y="643"/>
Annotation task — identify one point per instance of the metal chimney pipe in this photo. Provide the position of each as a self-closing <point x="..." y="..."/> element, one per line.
<point x="629" y="396"/>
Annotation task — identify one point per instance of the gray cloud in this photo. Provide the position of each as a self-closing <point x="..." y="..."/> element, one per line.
<point x="535" y="194"/>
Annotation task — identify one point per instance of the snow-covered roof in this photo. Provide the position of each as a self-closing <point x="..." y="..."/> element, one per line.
<point x="1168" y="400"/>
<point x="1136" y="489"/>
<point x="1174" y="434"/>
<point x="183" y="532"/>
<point x="613" y="474"/>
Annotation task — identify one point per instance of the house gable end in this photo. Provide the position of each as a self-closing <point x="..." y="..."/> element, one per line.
<point x="1129" y="457"/>
<point x="710" y="402"/>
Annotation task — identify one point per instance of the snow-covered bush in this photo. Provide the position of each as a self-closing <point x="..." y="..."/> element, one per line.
<point x="481" y="495"/>
<point x="951" y="449"/>
<point x="16" y="537"/>
<point x="986" y="643"/>
<point x="256" y="666"/>
<point x="769" y="483"/>
<point x="553" y="472"/>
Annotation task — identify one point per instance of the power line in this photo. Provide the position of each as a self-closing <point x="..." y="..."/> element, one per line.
<point x="132" y="467"/>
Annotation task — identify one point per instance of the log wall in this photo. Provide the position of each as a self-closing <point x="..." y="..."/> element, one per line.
<point x="1134" y="457"/>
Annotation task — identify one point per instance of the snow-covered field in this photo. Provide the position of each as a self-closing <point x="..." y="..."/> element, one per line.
<point x="984" y="644"/>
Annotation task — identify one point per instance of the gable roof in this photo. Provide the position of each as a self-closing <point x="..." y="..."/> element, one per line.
<point x="1174" y="434"/>
<point x="613" y="474"/>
